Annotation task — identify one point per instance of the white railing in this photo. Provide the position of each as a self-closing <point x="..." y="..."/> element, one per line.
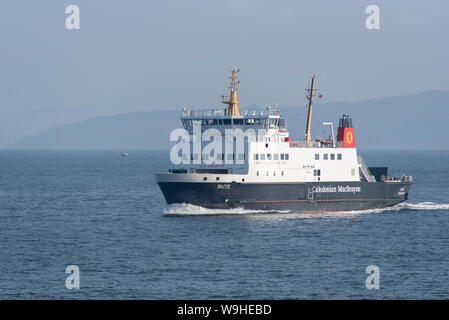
<point x="363" y="167"/>
<point x="222" y="112"/>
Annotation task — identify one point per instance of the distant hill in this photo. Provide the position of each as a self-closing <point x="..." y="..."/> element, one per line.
<point x="403" y="122"/>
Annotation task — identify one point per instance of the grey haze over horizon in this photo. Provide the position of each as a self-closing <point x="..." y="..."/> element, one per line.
<point x="411" y="122"/>
<point x="145" y="55"/>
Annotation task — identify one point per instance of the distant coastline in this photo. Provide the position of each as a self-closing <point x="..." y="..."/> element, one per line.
<point x="408" y="122"/>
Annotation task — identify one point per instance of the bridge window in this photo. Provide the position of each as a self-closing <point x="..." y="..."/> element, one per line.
<point x="249" y="121"/>
<point x="187" y="123"/>
<point x="238" y="122"/>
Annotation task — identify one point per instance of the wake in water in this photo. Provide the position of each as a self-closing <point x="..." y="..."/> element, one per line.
<point x="189" y="209"/>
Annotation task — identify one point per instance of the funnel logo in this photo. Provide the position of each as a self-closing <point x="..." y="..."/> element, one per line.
<point x="349" y="137"/>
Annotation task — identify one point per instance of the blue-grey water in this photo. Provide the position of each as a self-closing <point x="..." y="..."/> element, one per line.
<point x="105" y="214"/>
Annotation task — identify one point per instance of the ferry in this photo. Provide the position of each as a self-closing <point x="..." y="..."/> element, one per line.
<point x="271" y="171"/>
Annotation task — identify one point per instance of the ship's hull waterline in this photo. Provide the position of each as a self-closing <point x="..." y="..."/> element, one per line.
<point x="297" y="197"/>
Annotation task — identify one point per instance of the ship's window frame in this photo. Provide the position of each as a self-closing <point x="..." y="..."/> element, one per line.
<point x="257" y="173"/>
<point x="262" y="156"/>
<point x="238" y="122"/>
<point x="256" y="156"/>
<point x="249" y="121"/>
<point x="339" y="156"/>
<point x="282" y="156"/>
<point x="268" y="156"/>
<point x="187" y="123"/>
<point x="241" y="156"/>
<point x="325" y="156"/>
<point x="227" y="122"/>
<point x="332" y="156"/>
<point x="273" y="122"/>
<point x="317" y="156"/>
<point x="282" y="173"/>
<point x="286" y="156"/>
<point x="275" y="156"/>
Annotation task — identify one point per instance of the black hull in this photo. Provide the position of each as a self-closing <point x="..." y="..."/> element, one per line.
<point x="298" y="197"/>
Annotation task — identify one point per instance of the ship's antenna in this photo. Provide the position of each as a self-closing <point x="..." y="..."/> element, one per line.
<point x="232" y="101"/>
<point x="310" y="95"/>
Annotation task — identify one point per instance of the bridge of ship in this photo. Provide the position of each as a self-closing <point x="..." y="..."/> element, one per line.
<point x="218" y="119"/>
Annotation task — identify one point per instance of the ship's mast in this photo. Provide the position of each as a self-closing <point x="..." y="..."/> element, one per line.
<point x="311" y="93"/>
<point x="232" y="101"/>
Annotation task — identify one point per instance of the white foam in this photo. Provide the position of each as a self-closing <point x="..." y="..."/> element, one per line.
<point x="189" y="209"/>
<point x="423" y="206"/>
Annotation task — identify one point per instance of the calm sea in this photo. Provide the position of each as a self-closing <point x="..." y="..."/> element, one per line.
<point x="105" y="214"/>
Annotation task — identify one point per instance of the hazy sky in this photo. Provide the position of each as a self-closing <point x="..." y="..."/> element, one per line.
<point x="143" y="55"/>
